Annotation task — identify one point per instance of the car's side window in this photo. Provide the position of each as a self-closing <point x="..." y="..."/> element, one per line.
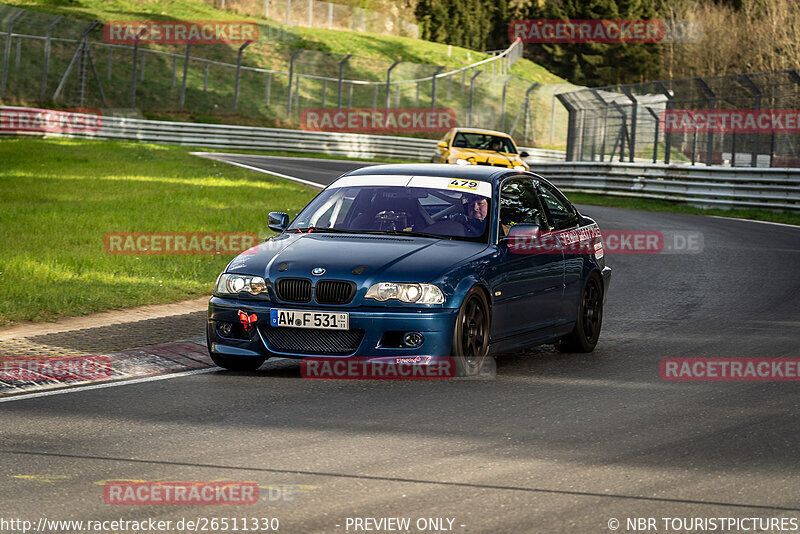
<point x="562" y="214"/>
<point x="519" y="205"/>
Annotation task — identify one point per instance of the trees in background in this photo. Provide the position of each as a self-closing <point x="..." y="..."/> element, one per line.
<point x="737" y="36"/>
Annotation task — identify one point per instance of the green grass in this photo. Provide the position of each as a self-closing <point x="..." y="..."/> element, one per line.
<point x="647" y="204"/>
<point x="61" y="197"/>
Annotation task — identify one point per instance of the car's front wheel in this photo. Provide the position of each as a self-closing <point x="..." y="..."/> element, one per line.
<point x="237" y="363"/>
<point x="584" y="336"/>
<point x="471" y="335"/>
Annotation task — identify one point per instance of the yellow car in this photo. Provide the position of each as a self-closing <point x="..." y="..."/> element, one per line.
<point x="471" y="146"/>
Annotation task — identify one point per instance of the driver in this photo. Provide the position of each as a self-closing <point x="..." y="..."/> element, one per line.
<point x="477" y="208"/>
<point x="497" y="145"/>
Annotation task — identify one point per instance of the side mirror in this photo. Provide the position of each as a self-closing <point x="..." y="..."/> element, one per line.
<point x="442" y="145"/>
<point x="278" y="221"/>
<point x="523" y="238"/>
<point x="524" y="154"/>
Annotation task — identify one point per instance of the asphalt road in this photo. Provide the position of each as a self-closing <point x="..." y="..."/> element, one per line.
<point x="556" y="443"/>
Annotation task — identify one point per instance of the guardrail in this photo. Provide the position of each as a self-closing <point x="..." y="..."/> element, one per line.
<point x="719" y="187"/>
<point x="272" y="139"/>
<point x="724" y="187"/>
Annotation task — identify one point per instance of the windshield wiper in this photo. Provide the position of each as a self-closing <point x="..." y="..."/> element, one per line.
<point x="323" y="230"/>
<point x="411" y="234"/>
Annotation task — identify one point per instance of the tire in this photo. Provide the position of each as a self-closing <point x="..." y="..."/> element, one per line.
<point x="237" y="363"/>
<point x="471" y="334"/>
<point x="584" y="336"/>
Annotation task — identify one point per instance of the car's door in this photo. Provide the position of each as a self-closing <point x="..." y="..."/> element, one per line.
<point x="562" y="216"/>
<point x="526" y="288"/>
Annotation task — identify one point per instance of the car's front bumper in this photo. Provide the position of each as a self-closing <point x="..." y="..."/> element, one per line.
<point x="436" y="326"/>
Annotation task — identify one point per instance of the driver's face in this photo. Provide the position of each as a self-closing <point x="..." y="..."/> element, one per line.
<point x="477" y="207"/>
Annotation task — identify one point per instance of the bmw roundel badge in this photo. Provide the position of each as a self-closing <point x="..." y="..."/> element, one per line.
<point x="317" y="271"/>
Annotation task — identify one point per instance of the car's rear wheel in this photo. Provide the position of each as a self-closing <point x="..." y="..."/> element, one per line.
<point x="471" y="335"/>
<point x="584" y="336"/>
<point x="238" y="363"/>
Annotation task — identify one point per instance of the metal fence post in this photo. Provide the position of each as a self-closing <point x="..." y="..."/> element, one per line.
<point x="375" y="97"/>
<point x="655" y="137"/>
<point x="266" y="9"/>
<point x="310" y="12"/>
<point x="471" y="95"/>
<point x="418" y="84"/>
<point x="185" y="74"/>
<point x="238" y="73"/>
<point x="330" y="15"/>
<point x="135" y="63"/>
<point x="7" y="54"/>
<point x="324" y="93"/>
<point x="205" y="77"/>
<point x="291" y="79"/>
<point x="288" y="9"/>
<point x="796" y="79"/>
<point x="341" y="76"/>
<point x="553" y="111"/>
<point x="571" y="126"/>
<point x="634" y="117"/>
<point x="389" y="81"/>
<point x="46" y="66"/>
<point x="600" y="99"/>
<point x="667" y="133"/>
<point x="528" y="110"/>
<point x="712" y="100"/>
<point x="269" y="88"/>
<point x="439" y="69"/>
<point x="756" y="105"/>
<point x="503" y="104"/>
<point x="350" y="97"/>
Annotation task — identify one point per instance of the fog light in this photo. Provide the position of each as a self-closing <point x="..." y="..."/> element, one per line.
<point x="413" y="339"/>
<point x="225" y="329"/>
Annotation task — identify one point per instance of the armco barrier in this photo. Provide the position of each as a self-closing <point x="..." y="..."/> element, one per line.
<point x="252" y="138"/>
<point x="723" y="187"/>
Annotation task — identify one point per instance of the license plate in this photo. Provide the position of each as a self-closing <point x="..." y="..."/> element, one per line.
<point x="310" y="319"/>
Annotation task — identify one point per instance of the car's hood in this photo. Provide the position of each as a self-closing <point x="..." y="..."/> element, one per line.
<point x="372" y="258"/>
<point x="487" y="156"/>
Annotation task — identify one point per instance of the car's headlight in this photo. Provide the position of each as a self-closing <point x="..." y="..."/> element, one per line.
<point x="415" y="293"/>
<point x="233" y="284"/>
<point x="460" y="161"/>
<point x="519" y="168"/>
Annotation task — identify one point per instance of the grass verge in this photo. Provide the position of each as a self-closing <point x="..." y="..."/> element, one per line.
<point x="60" y="197"/>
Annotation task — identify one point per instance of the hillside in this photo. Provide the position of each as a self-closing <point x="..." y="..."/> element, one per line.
<point x="158" y="94"/>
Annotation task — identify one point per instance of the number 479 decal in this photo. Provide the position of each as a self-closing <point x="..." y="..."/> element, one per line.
<point x="463" y="184"/>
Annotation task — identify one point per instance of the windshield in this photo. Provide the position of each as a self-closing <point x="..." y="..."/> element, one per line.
<point x="424" y="206"/>
<point x="481" y="141"/>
